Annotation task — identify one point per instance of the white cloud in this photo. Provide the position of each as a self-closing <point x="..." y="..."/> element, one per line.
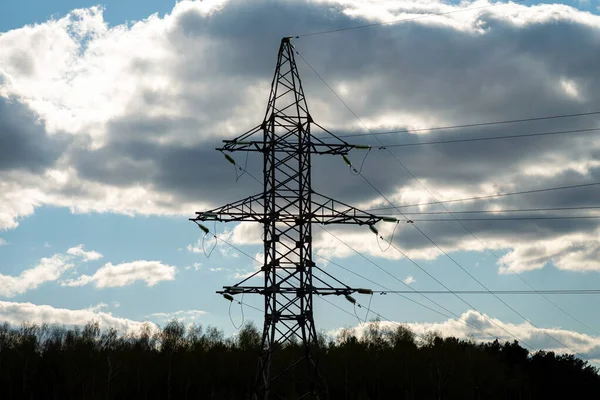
<point x="193" y="248"/>
<point x="409" y="279"/>
<point x="246" y="233"/>
<point x="86" y="255"/>
<point x="98" y="307"/>
<point x="196" y="267"/>
<point x="17" y="313"/>
<point x="3" y="242"/>
<point x="48" y="269"/>
<point x="182" y="315"/>
<point x="575" y="252"/>
<point x="125" y="274"/>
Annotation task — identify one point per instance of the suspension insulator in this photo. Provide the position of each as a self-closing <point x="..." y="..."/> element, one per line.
<point x="229" y="158"/>
<point x="204" y="229"/>
<point x="347" y="161"/>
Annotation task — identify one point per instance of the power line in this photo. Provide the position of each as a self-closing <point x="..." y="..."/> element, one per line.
<point x="422" y="293"/>
<point x="492" y="293"/>
<point x="428" y="236"/>
<point x="423" y="233"/>
<point x="354" y="316"/>
<point x="456" y="262"/>
<point x="377" y="190"/>
<point x="477" y="124"/>
<point x="503" y="218"/>
<point x="506" y="292"/>
<point x="525" y="135"/>
<point x="394" y="206"/>
<point x="444" y="286"/>
<point x="249" y="306"/>
<point x="387" y="290"/>
<point x="452" y="215"/>
<point x="399" y="20"/>
<point x="375" y="313"/>
<point x="459" y="318"/>
<point x="232" y="245"/>
<point x="479" y="240"/>
<point x="503" y="211"/>
<point x="389" y="22"/>
<point x="492" y="252"/>
<point x="439" y="202"/>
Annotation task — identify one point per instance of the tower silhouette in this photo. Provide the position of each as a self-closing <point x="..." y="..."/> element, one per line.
<point x="287" y="208"/>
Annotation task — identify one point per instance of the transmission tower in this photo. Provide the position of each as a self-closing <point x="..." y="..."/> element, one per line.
<point x="287" y="208"/>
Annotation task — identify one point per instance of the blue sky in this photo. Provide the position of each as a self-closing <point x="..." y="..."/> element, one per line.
<point x="16" y="14"/>
<point x="114" y="146"/>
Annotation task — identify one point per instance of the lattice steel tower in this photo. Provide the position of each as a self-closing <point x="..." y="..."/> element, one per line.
<point x="287" y="208"/>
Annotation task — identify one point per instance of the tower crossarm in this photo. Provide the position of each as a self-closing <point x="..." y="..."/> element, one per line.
<point x="326" y="291"/>
<point x="244" y="141"/>
<point x="316" y="146"/>
<point x="248" y="209"/>
<point x="319" y="146"/>
<point x="326" y="210"/>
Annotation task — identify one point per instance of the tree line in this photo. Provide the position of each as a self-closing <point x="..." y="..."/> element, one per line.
<point x="192" y="362"/>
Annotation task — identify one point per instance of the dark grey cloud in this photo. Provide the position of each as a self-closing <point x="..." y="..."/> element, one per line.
<point x="24" y="143"/>
<point x="192" y="173"/>
<point x="458" y="76"/>
<point x="221" y="65"/>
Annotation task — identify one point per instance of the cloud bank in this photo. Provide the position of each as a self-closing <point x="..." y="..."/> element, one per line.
<point x="48" y="269"/>
<point x="125" y="118"/>
<point x="17" y="313"/>
<point x="125" y="274"/>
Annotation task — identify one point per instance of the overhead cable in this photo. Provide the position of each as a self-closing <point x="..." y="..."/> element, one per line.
<point x="478" y="139"/>
<point x="450" y="314"/>
<point x="506" y="292"/>
<point x="491" y="196"/>
<point x="476" y="124"/>
<point x="504" y="218"/>
<point x="503" y="211"/>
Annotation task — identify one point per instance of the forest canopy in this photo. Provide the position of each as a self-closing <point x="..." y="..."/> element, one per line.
<point x="192" y="362"/>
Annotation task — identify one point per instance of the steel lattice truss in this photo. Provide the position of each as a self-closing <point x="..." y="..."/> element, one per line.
<point x="287" y="208"/>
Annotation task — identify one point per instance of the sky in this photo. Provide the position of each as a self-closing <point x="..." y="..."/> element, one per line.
<point x="110" y="113"/>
